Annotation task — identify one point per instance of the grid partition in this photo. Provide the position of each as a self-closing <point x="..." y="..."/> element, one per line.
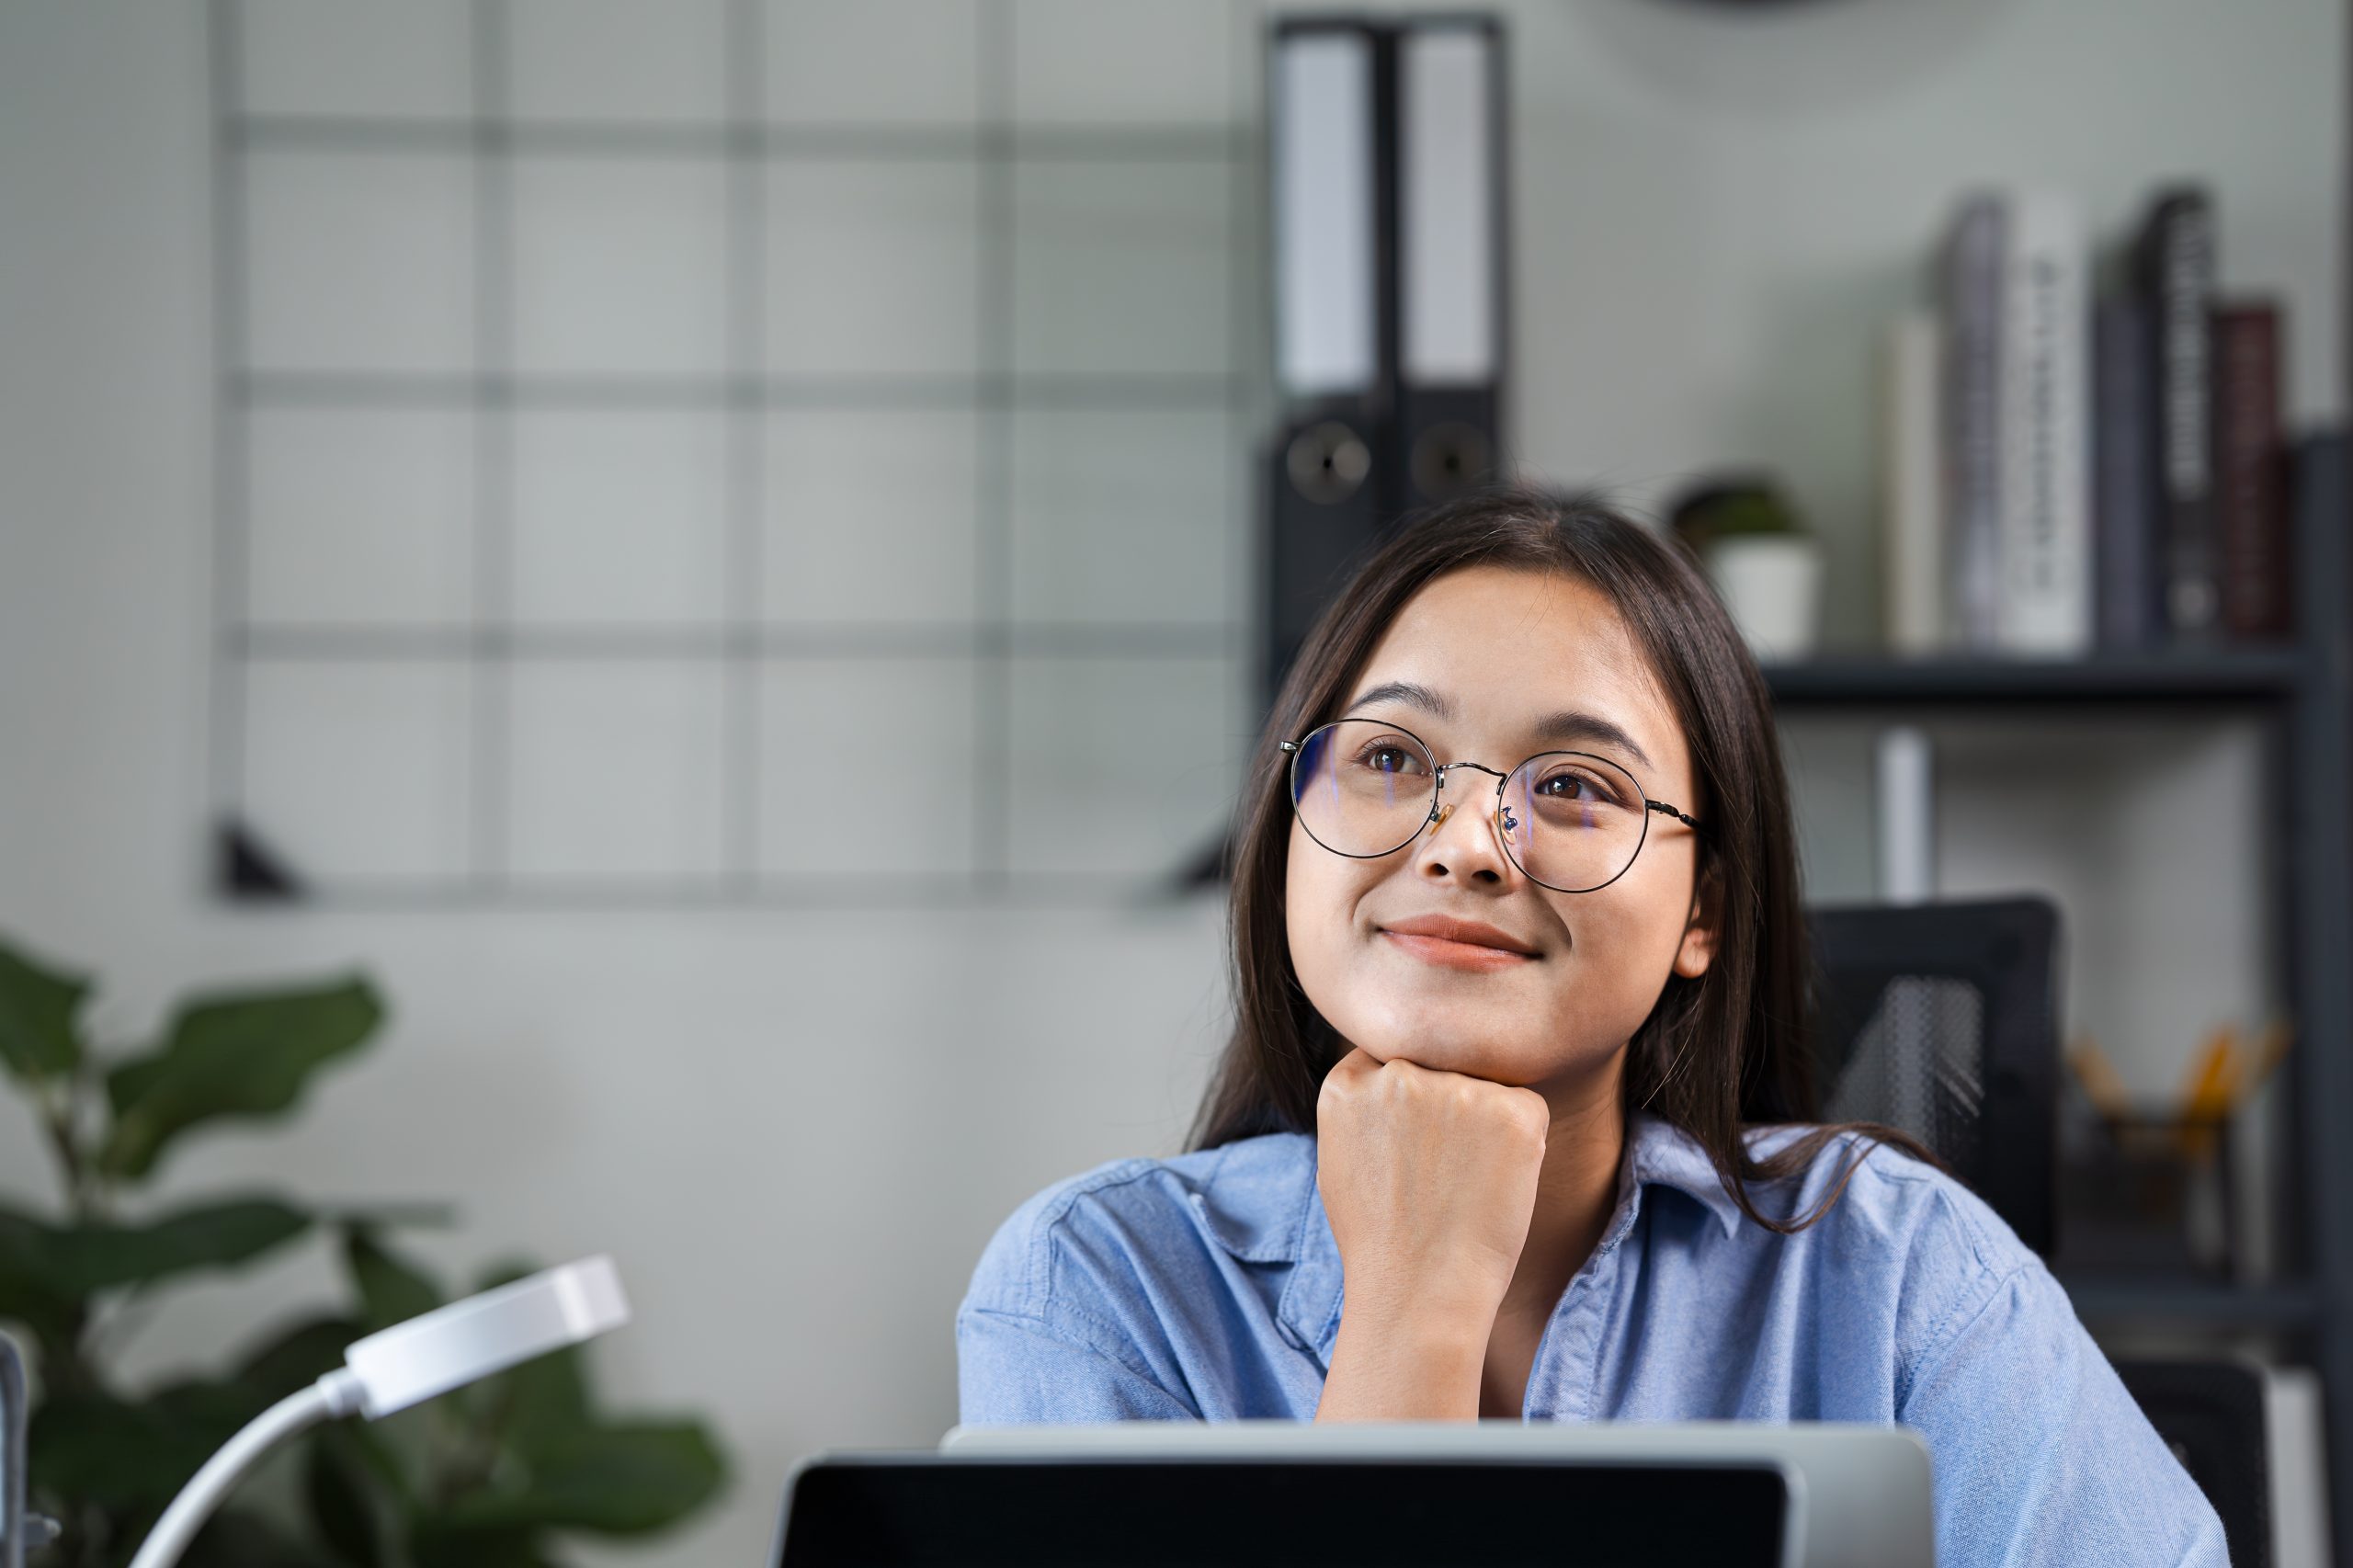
<point x="731" y="450"/>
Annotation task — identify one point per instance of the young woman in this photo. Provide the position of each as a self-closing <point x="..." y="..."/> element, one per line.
<point x="1512" y="1119"/>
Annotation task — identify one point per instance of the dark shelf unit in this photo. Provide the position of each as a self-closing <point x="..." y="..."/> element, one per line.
<point x="2303" y="691"/>
<point x="2221" y="674"/>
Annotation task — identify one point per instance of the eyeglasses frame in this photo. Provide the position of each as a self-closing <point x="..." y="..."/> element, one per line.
<point x="1438" y="771"/>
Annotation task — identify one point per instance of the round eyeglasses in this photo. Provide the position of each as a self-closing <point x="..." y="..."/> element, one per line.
<point x="1571" y="820"/>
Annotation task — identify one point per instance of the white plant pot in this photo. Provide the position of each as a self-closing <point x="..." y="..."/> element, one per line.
<point x="1772" y="585"/>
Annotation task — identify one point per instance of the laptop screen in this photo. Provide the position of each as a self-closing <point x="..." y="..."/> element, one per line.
<point x="900" y="1511"/>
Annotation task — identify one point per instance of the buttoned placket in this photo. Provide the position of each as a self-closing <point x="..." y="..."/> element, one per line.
<point x="1566" y="1369"/>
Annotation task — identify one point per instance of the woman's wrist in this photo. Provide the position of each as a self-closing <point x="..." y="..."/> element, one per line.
<point x="1421" y="1363"/>
<point x="1423" y="1296"/>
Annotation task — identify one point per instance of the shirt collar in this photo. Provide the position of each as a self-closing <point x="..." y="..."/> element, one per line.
<point x="1280" y="1217"/>
<point x="1664" y="1154"/>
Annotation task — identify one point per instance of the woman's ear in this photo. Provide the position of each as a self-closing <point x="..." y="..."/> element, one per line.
<point x="1706" y="921"/>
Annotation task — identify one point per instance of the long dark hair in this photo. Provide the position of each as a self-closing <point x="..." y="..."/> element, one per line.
<point x="1729" y="1049"/>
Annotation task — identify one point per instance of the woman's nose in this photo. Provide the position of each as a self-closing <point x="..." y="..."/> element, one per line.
<point x="1473" y="852"/>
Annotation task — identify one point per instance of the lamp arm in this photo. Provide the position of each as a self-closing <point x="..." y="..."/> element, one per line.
<point x="403" y="1364"/>
<point x="337" y="1393"/>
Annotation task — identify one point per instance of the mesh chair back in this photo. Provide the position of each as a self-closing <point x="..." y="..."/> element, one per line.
<point x="1943" y="1019"/>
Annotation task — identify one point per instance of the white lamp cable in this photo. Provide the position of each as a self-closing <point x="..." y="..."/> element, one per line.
<point x="402" y="1366"/>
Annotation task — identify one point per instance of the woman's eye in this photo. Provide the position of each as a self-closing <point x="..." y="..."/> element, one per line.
<point x="1574" y="787"/>
<point x="1389" y="757"/>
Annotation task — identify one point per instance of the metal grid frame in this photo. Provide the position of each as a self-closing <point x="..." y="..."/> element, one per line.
<point x="746" y="643"/>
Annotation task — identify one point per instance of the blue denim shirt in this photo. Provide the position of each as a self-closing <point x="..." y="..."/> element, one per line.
<point x="1208" y="1287"/>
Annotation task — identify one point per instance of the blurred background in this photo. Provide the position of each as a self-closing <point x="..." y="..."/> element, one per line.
<point x="717" y="553"/>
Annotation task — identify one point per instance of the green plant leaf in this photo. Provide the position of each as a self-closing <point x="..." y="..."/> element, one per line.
<point x="624" y="1479"/>
<point x="296" y="1356"/>
<point x="546" y="1401"/>
<point x="243" y="1056"/>
<point x="392" y="1288"/>
<point x="444" y="1544"/>
<point x="221" y="1405"/>
<point x="93" y="1256"/>
<point x="38" y="1037"/>
<point x="27" y="1271"/>
<point x="413" y="1214"/>
<point x="48" y="1272"/>
<point x="503" y="1271"/>
<point x="101" y="1450"/>
<point x="343" y="1506"/>
<point x="244" y="1537"/>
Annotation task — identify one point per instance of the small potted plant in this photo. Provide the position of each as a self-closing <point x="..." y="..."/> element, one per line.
<point x="1766" y="566"/>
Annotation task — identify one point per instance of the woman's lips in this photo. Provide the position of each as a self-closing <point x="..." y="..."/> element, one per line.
<point x="1446" y="954"/>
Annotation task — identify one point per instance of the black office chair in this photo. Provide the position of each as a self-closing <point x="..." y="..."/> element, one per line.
<point x="2212" y="1414"/>
<point x="1943" y="1019"/>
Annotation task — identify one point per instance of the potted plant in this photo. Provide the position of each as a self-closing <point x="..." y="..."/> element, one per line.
<point x="1767" y="568"/>
<point x="490" y="1476"/>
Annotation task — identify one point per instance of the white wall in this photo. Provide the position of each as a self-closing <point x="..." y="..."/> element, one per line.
<point x="796" y="1130"/>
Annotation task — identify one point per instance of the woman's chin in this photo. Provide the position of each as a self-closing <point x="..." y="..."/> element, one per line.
<point x="1442" y="1051"/>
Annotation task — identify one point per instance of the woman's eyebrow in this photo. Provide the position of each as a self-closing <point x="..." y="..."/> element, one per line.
<point x="1410" y="693"/>
<point x="1566" y="726"/>
<point x="1573" y="724"/>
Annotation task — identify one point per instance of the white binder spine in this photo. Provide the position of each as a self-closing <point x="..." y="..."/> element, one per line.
<point x="1326" y="316"/>
<point x="1447" y="205"/>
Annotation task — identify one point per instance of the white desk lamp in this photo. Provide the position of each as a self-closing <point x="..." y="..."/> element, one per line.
<point x="404" y="1365"/>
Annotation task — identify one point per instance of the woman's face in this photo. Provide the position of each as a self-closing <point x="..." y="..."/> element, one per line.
<point x="1492" y="666"/>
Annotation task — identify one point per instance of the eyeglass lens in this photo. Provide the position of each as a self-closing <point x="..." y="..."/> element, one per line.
<point x="1571" y="820"/>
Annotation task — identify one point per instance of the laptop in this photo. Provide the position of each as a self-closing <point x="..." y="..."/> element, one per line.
<point x="1802" y="1495"/>
<point x="1206" y="1510"/>
<point x="1860" y="1494"/>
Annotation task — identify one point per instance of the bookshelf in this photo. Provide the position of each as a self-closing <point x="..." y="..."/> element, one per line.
<point x="2222" y="676"/>
<point x="2303" y="691"/>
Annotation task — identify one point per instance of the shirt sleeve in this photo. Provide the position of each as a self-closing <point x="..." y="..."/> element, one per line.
<point x="1013" y="1368"/>
<point x="2039" y="1453"/>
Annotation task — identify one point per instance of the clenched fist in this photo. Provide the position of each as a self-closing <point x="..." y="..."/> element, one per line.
<point x="1430" y="1180"/>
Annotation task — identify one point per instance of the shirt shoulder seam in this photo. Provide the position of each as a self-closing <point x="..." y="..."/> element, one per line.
<point x="1988" y="1277"/>
<point x="1969" y="1226"/>
<point x="1987" y="1287"/>
<point x="1038" y="1284"/>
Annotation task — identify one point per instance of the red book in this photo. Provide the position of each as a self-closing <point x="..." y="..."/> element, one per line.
<point x="2250" y="471"/>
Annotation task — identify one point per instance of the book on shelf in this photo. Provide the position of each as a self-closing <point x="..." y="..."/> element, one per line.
<point x="2131" y="589"/>
<point x="2175" y="268"/>
<point x="1970" y="279"/>
<point x="2250" y="471"/>
<point x="1911" y="485"/>
<point x="2064" y="473"/>
<point x="2044" y="547"/>
<point x="2014" y="286"/>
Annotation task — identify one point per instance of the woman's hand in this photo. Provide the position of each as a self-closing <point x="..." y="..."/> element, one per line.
<point x="1429" y="1181"/>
